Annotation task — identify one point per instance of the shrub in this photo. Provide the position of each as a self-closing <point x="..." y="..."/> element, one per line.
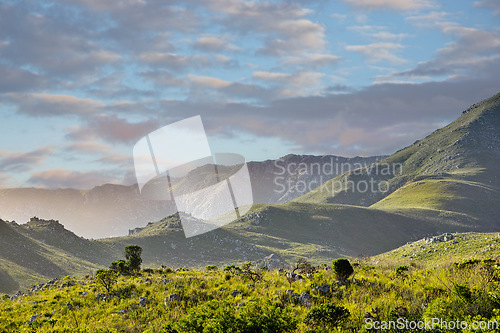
<point x="327" y="316"/>
<point x="467" y="263"/>
<point x="232" y="269"/>
<point x="214" y="316"/>
<point x="342" y="269"/>
<point x="120" y="266"/>
<point x="211" y="268"/>
<point x="400" y="270"/>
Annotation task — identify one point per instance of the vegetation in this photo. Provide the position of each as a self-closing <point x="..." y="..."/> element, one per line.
<point x="341" y="299"/>
<point x="342" y="269"/>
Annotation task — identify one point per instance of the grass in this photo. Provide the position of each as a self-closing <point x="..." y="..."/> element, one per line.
<point x="376" y="292"/>
<point x="462" y="247"/>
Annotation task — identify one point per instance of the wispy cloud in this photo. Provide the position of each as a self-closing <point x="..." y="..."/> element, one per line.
<point x="403" y="5"/>
<point x="40" y="104"/>
<point x="377" y="52"/>
<point x="493" y="4"/>
<point x="23" y="161"/>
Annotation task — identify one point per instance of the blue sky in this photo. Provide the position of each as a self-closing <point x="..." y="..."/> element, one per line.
<point x="81" y="81"/>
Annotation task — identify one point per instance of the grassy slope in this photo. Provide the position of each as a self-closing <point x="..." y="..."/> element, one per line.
<point x="462" y="247"/>
<point x="25" y="261"/>
<point x="455" y="169"/>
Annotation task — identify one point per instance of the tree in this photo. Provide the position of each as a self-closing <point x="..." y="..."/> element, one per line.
<point x="342" y="269"/>
<point x="106" y="278"/>
<point x="248" y="273"/>
<point x="133" y="257"/>
<point x="304" y="267"/>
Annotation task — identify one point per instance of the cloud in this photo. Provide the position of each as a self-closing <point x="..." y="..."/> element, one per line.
<point x="50" y="42"/>
<point x="111" y="128"/>
<point x="25" y="161"/>
<point x="106" y="154"/>
<point x="293" y="84"/>
<point x="232" y="89"/>
<point x="63" y="178"/>
<point x="88" y="147"/>
<point x="391" y="116"/>
<point x="175" y="62"/>
<point x="472" y="53"/>
<point x="20" y="80"/>
<point x="402" y="5"/>
<point x="377" y="33"/>
<point x="493" y="4"/>
<point x="208" y="82"/>
<point x="163" y="77"/>
<point x="377" y="52"/>
<point x="211" y="43"/>
<point x="313" y="61"/>
<point x="40" y="104"/>
<point x="294" y="33"/>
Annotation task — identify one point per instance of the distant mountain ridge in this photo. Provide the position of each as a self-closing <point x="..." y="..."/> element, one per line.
<point x="113" y="210"/>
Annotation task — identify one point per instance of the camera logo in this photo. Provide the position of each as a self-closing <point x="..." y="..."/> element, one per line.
<point x="176" y="163"/>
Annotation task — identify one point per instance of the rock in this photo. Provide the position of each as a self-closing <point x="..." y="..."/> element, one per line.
<point x="241" y="304"/>
<point x="32" y="319"/>
<point x="289" y="291"/>
<point x="122" y="312"/>
<point x="323" y="290"/>
<point x="99" y="297"/>
<point x="441" y="238"/>
<point x="235" y="293"/>
<point x="273" y="262"/>
<point x="172" y="298"/>
<point x="305" y="297"/>
<point x="178" y="286"/>
<point x="69" y="306"/>
<point x="293" y="277"/>
<point x="143" y="301"/>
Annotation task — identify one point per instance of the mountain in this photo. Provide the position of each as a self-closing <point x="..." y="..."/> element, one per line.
<point x="445" y="183"/>
<point x="453" y="170"/>
<point x="26" y="260"/>
<point x="113" y="210"/>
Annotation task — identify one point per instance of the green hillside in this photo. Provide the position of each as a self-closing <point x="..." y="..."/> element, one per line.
<point x="25" y="261"/>
<point x="431" y="252"/>
<point x="455" y="169"/>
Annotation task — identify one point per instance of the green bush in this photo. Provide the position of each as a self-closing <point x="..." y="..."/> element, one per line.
<point x="342" y="269"/>
<point x="120" y="266"/>
<point x="327" y="316"/>
<point x="400" y="270"/>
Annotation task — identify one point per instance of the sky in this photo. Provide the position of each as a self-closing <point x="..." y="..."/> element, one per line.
<point x="81" y="81"/>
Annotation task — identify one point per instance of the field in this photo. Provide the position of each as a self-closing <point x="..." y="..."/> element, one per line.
<point x="397" y="286"/>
